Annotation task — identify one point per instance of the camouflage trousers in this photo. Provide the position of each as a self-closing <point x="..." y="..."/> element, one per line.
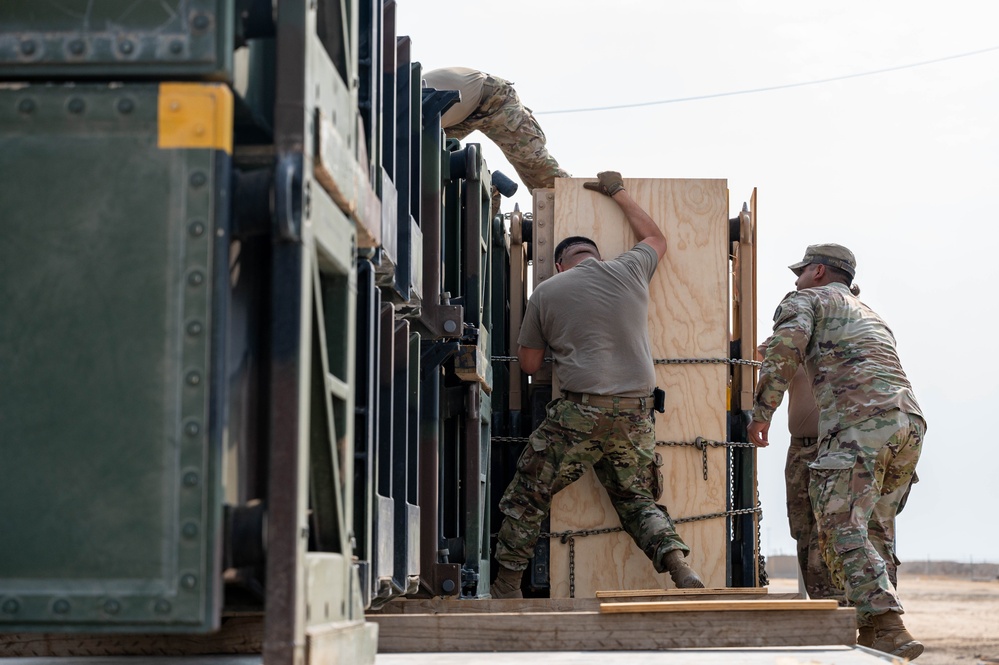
<point x="620" y="447"/>
<point x="511" y="126"/>
<point x="801" y="519"/>
<point x="859" y="479"/>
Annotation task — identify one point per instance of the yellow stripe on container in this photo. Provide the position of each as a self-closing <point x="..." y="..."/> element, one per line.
<point x="195" y="115"/>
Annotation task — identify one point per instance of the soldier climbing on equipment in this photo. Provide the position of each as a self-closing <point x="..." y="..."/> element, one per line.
<point x="490" y="105"/>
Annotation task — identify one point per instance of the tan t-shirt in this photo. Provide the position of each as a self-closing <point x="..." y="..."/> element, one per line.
<point x="802" y="411"/>
<point x="466" y="81"/>
<point x="595" y="319"/>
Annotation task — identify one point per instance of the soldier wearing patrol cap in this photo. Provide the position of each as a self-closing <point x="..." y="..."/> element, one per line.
<point x="835" y="256"/>
<point x="870" y="430"/>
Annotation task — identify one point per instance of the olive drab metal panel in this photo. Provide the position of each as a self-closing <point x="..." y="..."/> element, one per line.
<point x="116" y="38"/>
<point x="113" y="275"/>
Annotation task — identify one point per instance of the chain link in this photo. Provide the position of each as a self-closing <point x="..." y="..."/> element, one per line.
<point x="569" y="537"/>
<point x="664" y="361"/>
<point x="706" y="361"/>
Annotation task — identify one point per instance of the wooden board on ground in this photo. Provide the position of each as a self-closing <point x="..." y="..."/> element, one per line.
<point x="596" y="631"/>
<point x="501" y="605"/>
<point x="688" y="319"/>
<point x="749" y="592"/>
<point x="719" y="606"/>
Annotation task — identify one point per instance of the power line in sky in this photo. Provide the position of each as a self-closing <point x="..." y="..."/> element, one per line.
<point x="773" y="87"/>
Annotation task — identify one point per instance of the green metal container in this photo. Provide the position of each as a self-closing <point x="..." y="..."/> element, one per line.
<point x="116" y="39"/>
<point x="113" y="275"/>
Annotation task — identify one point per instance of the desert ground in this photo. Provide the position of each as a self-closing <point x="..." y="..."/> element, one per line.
<point x="956" y="618"/>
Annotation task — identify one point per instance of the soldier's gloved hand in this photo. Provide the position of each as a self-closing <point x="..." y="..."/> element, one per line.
<point x="610" y="183"/>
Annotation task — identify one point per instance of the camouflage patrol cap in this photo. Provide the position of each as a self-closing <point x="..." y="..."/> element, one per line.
<point x="829" y="254"/>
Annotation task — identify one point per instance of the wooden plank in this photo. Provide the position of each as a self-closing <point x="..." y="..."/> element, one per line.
<point x="543" y="253"/>
<point x="501" y="605"/>
<point x="688" y="318"/>
<point x="754" y="592"/>
<point x="238" y="635"/>
<point x="595" y="631"/>
<point x="719" y="605"/>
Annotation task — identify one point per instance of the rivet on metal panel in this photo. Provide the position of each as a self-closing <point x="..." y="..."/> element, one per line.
<point x="126" y="47"/>
<point x="201" y="22"/>
<point x="191" y="479"/>
<point x="550" y="196"/>
<point x="196" y="229"/>
<point x="189" y="581"/>
<point x="192" y="428"/>
<point x="77" y="47"/>
<point x="76" y="105"/>
<point x="541" y="204"/>
<point x="195" y="278"/>
<point x="194" y="328"/>
<point x="61" y="606"/>
<point x="199" y="130"/>
<point x="28" y="47"/>
<point x="190" y="530"/>
<point x="176" y="47"/>
<point x="198" y="179"/>
<point x="26" y="106"/>
<point x="11" y="606"/>
<point x="541" y="259"/>
<point x="194" y="379"/>
<point x="174" y="106"/>
<point x="112" y="607"/>
<point x="162" y="606"/>
<point x="126" y="105"/>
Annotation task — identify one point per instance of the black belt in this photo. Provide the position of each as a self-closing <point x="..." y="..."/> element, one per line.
<point x="609" y="401"/>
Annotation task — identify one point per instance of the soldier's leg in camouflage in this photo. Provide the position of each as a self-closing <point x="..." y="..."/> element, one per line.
<point x="550" y="461"/>
<point x="846" y="491"/>
<point x="512" y="127"/>
<point x="801" y="520"/>
<point x="626" y="471"/>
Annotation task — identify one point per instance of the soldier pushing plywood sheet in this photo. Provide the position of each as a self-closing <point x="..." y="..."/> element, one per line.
<point x="688" y="319"/>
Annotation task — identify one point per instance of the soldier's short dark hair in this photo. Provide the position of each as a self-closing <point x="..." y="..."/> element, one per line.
<point x="840" y="275"/>
<point x="569" y="242"/>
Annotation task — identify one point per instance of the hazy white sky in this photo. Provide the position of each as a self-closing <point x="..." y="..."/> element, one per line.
<point x="902" y="167"/>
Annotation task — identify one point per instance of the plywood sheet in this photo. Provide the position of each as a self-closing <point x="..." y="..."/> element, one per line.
<point x="688" y="318"/>
<point x="600" y="631"/>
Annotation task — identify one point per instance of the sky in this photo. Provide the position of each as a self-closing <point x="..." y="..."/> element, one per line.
<point x="901" y="166"/>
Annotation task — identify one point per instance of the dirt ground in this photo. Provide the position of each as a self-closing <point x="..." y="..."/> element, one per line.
<point x="956" y="619"/>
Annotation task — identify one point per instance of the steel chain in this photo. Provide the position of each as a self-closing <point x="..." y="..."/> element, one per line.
<point x="569" y="537"/>
<point x="664" y="361"/>
<point x="699" y="444"/>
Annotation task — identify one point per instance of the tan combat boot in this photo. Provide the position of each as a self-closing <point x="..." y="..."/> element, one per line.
<point x="507" y="583"/>
<point x="865" y="636"/>
<point x="683" y="575"/>
<point x="891" y="636"/>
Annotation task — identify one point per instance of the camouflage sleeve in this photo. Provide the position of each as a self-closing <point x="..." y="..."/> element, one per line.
<point x="793" y="322"/>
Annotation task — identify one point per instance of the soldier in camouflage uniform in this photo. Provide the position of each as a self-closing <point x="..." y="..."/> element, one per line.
<point x="593" y="317"/>
<point x="870" y="431"/>
<point x="490" y="105"/>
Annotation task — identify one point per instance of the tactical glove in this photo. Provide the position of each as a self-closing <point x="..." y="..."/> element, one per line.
<point x="610" y="183"/>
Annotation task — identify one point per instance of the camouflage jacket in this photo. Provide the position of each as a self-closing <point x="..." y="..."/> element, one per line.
<point x="849" y="355"/>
